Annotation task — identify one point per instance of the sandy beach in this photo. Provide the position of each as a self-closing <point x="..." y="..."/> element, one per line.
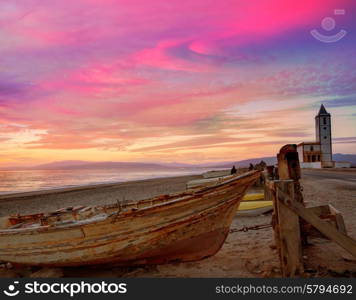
<point x="244" y="254"/>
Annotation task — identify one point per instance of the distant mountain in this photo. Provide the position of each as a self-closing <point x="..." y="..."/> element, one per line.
<point x="177" y="165"/>
<point x="64" y="165"/>
<point x="269" y="160"/>
<point x="61" y="164"/>
<point x="345" y="157"/>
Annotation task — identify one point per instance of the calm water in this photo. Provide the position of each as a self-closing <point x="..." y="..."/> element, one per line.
<point x="31" y="180"/>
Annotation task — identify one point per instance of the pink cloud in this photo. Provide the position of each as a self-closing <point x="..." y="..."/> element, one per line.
<point x="93" y="80"/>
<point x="82" y="71"/>
<point x="162" y="57"/>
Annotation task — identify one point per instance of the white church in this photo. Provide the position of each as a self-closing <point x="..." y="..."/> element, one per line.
<point x="318" y="154"/>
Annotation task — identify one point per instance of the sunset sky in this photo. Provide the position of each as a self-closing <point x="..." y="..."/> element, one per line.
<point x="171" y="80"/>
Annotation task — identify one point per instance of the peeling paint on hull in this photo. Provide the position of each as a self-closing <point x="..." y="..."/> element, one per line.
<point x="186" y="227"/>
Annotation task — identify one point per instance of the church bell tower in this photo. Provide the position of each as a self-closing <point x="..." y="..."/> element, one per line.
<point x="323" y="136"/>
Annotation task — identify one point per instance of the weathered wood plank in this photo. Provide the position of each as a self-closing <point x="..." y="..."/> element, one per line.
<point x="270" y="194"/>
<point x="321" y="210"/>
<point x="340" y="224"/>
<point x="288" y="222"/>
<point x="289" y="233"/>
<point x="324" y="227"/>
<point x="328" y="213"/>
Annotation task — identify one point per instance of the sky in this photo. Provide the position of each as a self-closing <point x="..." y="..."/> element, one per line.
<point x="172" y="81"/>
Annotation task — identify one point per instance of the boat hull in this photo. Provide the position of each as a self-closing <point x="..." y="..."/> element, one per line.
<point x="186" y="229"/>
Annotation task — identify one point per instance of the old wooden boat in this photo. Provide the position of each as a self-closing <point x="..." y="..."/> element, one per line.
<point x="182" y="227"/>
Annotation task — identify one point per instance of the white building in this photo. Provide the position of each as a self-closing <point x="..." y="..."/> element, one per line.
<point x="319" y="154"/>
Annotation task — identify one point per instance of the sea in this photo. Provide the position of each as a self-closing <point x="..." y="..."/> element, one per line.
<point x="16" y="181"/>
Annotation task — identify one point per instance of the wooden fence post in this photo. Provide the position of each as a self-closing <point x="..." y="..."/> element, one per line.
<point x="289" y="168"/>
<point x="290" y="246"/>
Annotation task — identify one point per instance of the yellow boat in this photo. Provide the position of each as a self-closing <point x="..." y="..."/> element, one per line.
<point x="254" y="197"/>
<point x="253" y="205"/>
